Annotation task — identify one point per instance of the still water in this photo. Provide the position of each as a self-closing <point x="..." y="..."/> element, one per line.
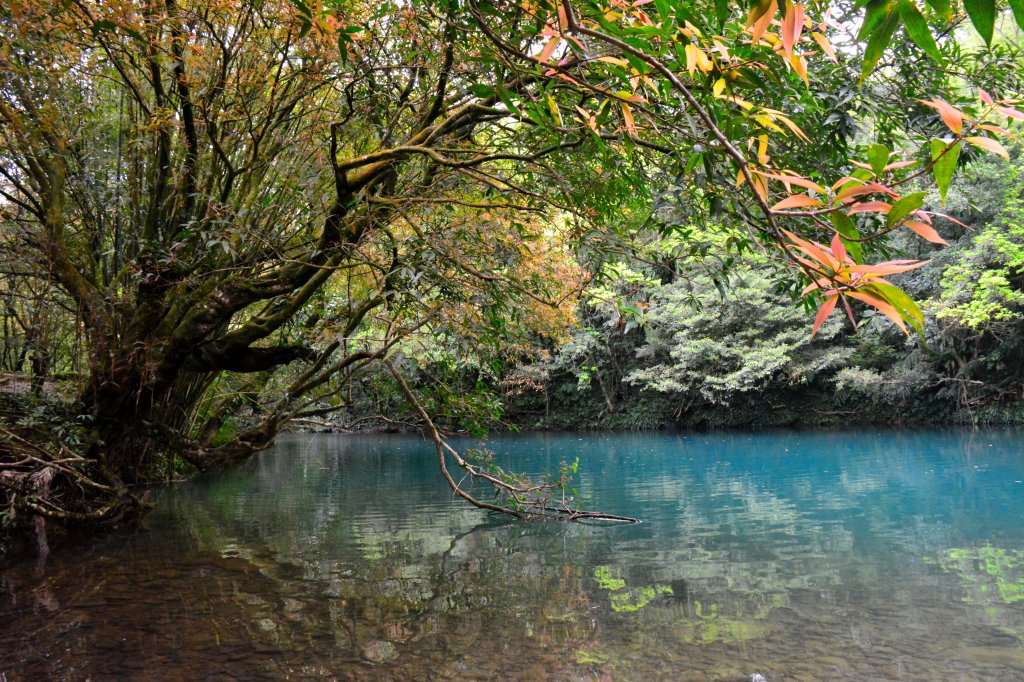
<point x="795" y="556"/>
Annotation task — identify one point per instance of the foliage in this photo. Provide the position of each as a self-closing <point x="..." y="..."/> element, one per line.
<point x="710" y="348"/>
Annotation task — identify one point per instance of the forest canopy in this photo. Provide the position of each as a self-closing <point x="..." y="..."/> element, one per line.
<point x="266" y="208"/>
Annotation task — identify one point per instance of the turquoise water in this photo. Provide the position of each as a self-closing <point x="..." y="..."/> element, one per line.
<point x="796" y="556"/>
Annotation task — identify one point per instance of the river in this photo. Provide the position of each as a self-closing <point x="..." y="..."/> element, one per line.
<point x="789" y="555"/>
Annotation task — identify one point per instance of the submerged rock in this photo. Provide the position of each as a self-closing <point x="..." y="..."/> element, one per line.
<point x="379" y="651"/>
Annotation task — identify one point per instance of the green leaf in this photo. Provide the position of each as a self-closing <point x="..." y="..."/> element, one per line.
<point x="482" y="90"/>
<point x="876" y="11"/>
<point x="849" y="235"/>
<point x="878" y="42"/>
<point x="942" y="8"/>
<point x="983" y="16"/>
<point x="917" y="28"/>
<point x="904" y="207"/>
<point x="343" y="51"/>
<point x="903" y="304"/>
<point x="878" y="157"/>
<point x="945" y="165"/>
<point x="506" y="97"/>
<point x="722" y="8"/>
<point x="1018" y="11"/>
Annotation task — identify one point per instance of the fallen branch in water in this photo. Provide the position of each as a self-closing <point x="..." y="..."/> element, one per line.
<point x="528" y="499"/>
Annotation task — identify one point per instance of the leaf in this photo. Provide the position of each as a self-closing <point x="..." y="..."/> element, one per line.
<point x="878" y="157"/>
<point x="556" y="112"/>
<point x="942" y="8"/>
<point x="627" y="117"/>
<point x="823" y="312"/>
<point x="797" y="201"/>
<point x="761" y="21"/>
<point x="482" y="90"/>
<point x="917" y="29"/>
<point x="869" y="207"/>
<point x="944" y="165"/>
<point x="792" y="25"/>
<point x="892" y="267"/>
<point x="838" y="249"/>
<point x="990" y="145"/>
<point x="826" y="46"/>
<point x="548" y="50"/>
<point x="797" y="180"/>
<point x="883" y="306"/>
<point x="983" y="16"/>
<point x="925" y="230"/>
<point x="874" y="13"/>
<point x="878" y="42"/>
<point x="903" y="303"/>
<point x="904" y="207"/>
<point x="951" y="116"/>
<point x="1018" y="11"/>
<point x="850" y="235"/>
<point x="1011" y="113"/>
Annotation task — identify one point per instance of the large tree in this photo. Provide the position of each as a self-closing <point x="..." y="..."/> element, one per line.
<point x="230" y="193"/>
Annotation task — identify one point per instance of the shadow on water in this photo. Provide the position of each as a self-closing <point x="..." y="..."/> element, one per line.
<point x="793" y="556"/>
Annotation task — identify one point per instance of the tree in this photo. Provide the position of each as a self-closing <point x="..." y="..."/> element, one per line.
<point x="202" y="182"/>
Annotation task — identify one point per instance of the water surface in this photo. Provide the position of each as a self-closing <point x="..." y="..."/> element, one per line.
<point x="797" y="556"/>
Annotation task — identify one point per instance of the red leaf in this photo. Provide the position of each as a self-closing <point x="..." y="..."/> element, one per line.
<point x="823" y="312"/>
<point x="885" y="308"/>
<point x="838" y="249"/>
<point x="869" y="207"/>
<point x="926" y="231"/>
<point x="796" y="201"/>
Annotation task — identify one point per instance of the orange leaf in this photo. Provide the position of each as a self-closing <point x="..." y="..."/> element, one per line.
<point x="985" y="97"/>
<point x="627" y="116"/>
<point x="926" y="215"/>
<point x="823" y="312"/>
<point x="549" y="49"/>
<point x="952" y="117"/>
<point x="926" y="231"/>
<point x="885" y="308"/>
<point x="855" y="191"/>
<point x="797" y="180"/>
<point x="1012" y="113"/>
<point x="762" y="22"/>
<point x="990" y="145"/>
<point x="869" y="207"/>
<point x="838" y="249"/>
<point x="899" y="164"/>
<point x="892" y="267"/>
<point x="796" y="201"/>
<point x="792" y="25"/>
<point x="815" y="251"/>
<point x="825" y="45"/>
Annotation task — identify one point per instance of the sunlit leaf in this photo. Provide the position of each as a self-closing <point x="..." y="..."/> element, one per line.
<point x="850" y="234"/>
<point x="951" y="116"/>
<point x="1017" y="6"/>
<point x="990" y="145"/>
<point x="983" y="16"/>
<point x="878" y="41"/>
<point x="917" y="29"/>
<point x="797" y="201"/>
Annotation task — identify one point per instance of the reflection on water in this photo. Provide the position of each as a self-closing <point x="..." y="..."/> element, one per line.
<point x="794" y="556"/>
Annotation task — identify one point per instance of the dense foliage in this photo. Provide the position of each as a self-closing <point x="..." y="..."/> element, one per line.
<point x="222" y="218"/>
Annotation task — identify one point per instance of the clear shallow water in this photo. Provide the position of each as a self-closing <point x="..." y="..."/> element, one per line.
<point x="805" y="556"/>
